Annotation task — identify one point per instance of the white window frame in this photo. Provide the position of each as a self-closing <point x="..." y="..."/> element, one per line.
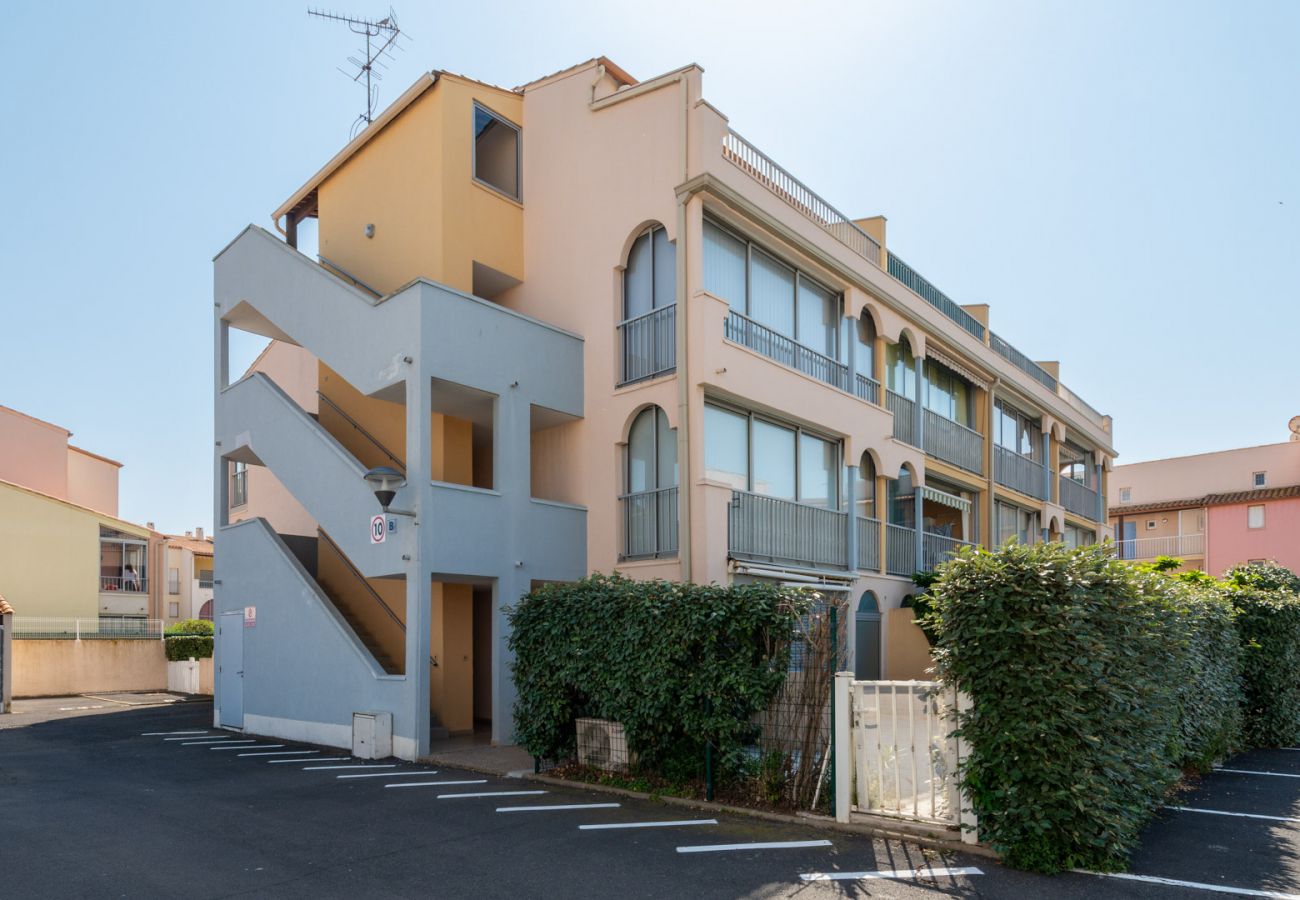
<point x="1126" y="495"/>
<point x="519" y="154"/>
<point x="1250" y="518"/>
<point x="1259" y="479"/>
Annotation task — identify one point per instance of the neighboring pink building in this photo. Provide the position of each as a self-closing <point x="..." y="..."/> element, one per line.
<point x="1212" y="510"/>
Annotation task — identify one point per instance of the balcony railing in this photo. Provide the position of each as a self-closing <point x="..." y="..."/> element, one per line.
<point x="900" y="550"/>
<point x="1022" y="362"/>
<point x="868" y="544"/>
<point x="649" y="343"/>
<point x="1150" y="548"/>
<point x="787" y="351"/>
<point x="953" y="442"/>
<point x="768" y="529"/>
<point x="935" y="297"/>
<point x="1078" y="499"/>
<point x="937" y="547"/>
<point x="904" y="411"/>
<point x="867" y="388"/>
<point x="130" y="584"/>
<point x="105" y="628"/>
<point x="1020" y="473"/>
<point x="649" y="524"/>
<point x="759" y="166"/>
<point x="205" y="582"/>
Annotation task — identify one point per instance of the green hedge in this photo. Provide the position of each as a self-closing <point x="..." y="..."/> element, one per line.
<point x="1269" y="624"/>
<point x="182" y="647"/>
<point x="190" y="626"/>
<point x="677" y="664"/>
<point x="1092" y="684"/>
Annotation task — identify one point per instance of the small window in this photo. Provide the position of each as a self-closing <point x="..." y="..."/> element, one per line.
<point x="1151" y="524"/>
<point x="173" y="610"/>
<point x="173" y="581"/>
<point x="1125" y="495"/>
<point x="496" y="152"/>
<point x="1260" y="479"/>
<point x="1255" y="516"/>
<point x="239" y="484"/>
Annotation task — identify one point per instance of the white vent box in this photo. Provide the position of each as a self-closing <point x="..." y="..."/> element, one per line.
<point x="372" y="735"/>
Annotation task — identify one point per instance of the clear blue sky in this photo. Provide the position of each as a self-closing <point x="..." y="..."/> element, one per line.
<point x="1119" y="180"/>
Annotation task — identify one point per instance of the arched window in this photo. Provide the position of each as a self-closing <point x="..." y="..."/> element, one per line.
<point x="900" y="369"/>
<point x="866" y="487"/>
<point x="902" y="509"/>
<point x="648" y="332"/>
<point x="866" y="642"/>
<point x="650" y="501"/>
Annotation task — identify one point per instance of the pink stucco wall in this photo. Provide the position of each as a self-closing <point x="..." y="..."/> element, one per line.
<point x="92" y="481"/>
<point x="1231" y="542"/>
<point x="33" y="453"/>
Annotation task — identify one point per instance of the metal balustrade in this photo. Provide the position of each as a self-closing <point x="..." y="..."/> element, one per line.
<point x="785" y="350"/>
<point x="649" y="524"/>
<point x="130" y="584"/>
<point x="649" y="344"/>
<point x="759" y="166"/>
<point x="1022" y="362"/>
<point x="868" y="544"/>
<point x="904" y="411"/>
<point x="769" y="529"/>
<point x="935" y="548"/>
<point x="867" y="388"/>
<point x="1150" y="548"/>
<point x="933" y="296"/>
<point x="106" y="628"/>
<point x="1077" y="498"/>
<point x="1020" y="473"/>
<point x="953" y="442"/>
<point x="900" y="550"/>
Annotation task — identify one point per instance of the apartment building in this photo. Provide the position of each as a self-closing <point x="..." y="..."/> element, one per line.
<point x="583" y="325"/>
<point x="1211" y="510"/>
<point x="64" y="552"/>
<point x="187" y="564"/>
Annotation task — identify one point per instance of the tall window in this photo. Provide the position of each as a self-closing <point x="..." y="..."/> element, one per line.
<point x="650" y="502"/>
<point x="866" y="488"/>
<point x="1074" y="536"/>
<point x="902" y="503"/>
<point x="752" y="453"/>
<point x="650" y="279"/>
<point x="947" y="393"/>
<point x="1074" y="463"/>
<point x="771" y="292"/>
<point x="123" y="562"/>
<point x="1016" y="431"/>
<point x="239" y="484"/>
<point x="1014" y="523"/>
<point x="496" y="152"/>
<point x="866" y="354"/>
<point x="900" y="369"/>
<point x="1255" y="516"/>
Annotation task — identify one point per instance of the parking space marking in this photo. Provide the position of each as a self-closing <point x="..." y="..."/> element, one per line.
<point x="759" y="845"/>
<point x="490" y="794"/>
<point x="558" y="806"/>
<point x="672" y="824"/>
<point x="1256" y="772"/>
<point x="239" y="745"/>
<point x="894" y="874"/>
<point x="391" y="774"/>
<point x="1242" y="815"/>
<point x="1194" y="885"/>
<point x="283" y="753"/>
<point x="161" y="733"/>
<point x="301" y="761"/>
<point x="332" y="768"/>
<point x="213" y="741"/>
<point x="403" y="784"/>
<point x="195" y="738"/>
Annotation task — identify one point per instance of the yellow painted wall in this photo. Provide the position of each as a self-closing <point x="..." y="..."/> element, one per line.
<point x="49" y="554"/>
<point x="347" y="590"/>
<point x="384" y="420"/>
<point x="907" y="652"/>
<point x="451" y="688"/>
<point x="63" y="668"/>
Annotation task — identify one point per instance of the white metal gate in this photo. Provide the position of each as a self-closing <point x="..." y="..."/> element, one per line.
<point x="895" y="753"/>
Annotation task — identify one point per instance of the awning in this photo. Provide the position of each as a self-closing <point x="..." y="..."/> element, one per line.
<point x="838" y="581"/>
<point x="944" y="498"/>
<point x="940" y="357"/>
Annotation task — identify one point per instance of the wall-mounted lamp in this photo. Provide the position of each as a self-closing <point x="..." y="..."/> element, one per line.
<point x="386" y="482"/>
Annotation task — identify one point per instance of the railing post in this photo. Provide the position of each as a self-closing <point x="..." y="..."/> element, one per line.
<point x="851" y="526"/>
<point x="842" y="756"/>
<point x="918" y="533"/>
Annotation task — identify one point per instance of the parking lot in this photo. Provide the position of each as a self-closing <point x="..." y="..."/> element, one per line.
<point x="98" y="798"/>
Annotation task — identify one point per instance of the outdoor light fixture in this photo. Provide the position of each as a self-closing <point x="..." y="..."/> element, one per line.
<point x="386" y="482"/>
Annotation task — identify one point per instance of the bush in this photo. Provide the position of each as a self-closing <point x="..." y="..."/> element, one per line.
<point x="182" y="647"/>
<point x="1268" y="621"/>
<point x="1268" y="576"/>
<point x="191" y="626"/>
<point x="677" y="664"/>
<point x="1092" y="683"/>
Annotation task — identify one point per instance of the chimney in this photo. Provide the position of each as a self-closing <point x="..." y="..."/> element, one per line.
<point x="189" y="534"/>
<point x="149" y="525"/>
<point x="198" y="533"/>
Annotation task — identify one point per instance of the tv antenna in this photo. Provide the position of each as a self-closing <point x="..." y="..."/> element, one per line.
<point x="381" y="41"/>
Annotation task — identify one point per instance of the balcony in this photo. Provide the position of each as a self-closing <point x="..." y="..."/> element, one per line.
<point x="788" y="352"/>
<point x="953" y="442"/>
<point x="649" y="524"/>
<point x="935" y="297"/>
<point x="867" y="388"/>
<point x="649" y="345"/>
<point x="1020" y="473"/>
<point x="936" y="548"/>
<point x="900" y="550"/>
<point x="768" y="529"/>
<point x="868" y="544"/>
<point x="1079" y="499"/>
<point x="1149" y="548"/>
<point x="904" y="411"/>
<point x="130" y="584"/>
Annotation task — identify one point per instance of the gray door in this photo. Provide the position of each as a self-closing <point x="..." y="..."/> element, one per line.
<point x="866" y="644"/>
<point x="230" y="669"/>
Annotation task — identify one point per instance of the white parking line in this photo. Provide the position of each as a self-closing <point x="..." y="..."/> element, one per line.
<point x="283" y="753"/>
<point x="1196" y="885"/>
<point x="332" y="768"/>
<point x="161" y="733"/>
<point x="558" y="806"/>
<point x="197" y="739"/>
<point x="228" y="743"/>
<point x="392" y="774"/>
<point x="760" y="845"/>
<point x="897" y="874"/>
<point x="403" y="784"/>
<point x="301" y="761"/>
<point x="1224" y="812"/>
<point x="648" y="824"/>
<point x="243" y="746"/>
<point x="1255" y="772"/>
<point x="490" y="794"/>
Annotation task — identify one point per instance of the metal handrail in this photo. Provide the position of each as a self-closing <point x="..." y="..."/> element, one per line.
<point x="1077" y="497"/>
<point x="401" y="466"/>
<point x="661" y="503"/>
<point x="900" y="549"/>
<point x="933" y="296"/>
<point x="1018" y="472"/>
<point x="1022" y="362"/>
<point x="763" y="169"/>
<point x="784" y="349"/>
<point x="953" y="442"/>
<point x="772" y="529"/>
<point x="348" y="275"/>
<point x="654" y="335"/>
<point x="937" y="547"/>
<point x="868" y="544"/>
<point x="904" y="410"/>
<point x="867" y="388"/>
<point x="1169" y="545"/>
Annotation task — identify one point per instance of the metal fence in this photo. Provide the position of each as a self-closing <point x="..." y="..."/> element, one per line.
<point x="768" y="529"/>
<point x="900" y="550"/>
<point x="904" y="411"/>
<point x="933" y="296"/>
<point x="785" y="350"/>
<point x="953" y="442"/>
<point x="1020" y="473"/>
<point x="935" y="548"/>
<point x="128" y="584"/>
<point x="867" y="388"/>
<point x="868" y="544"/>
<point x="1150" y="548"/>
<point x="1078" y="498"/>
<point x="649" y="343"/>
<point x="61" y="628"/>
<point x="759" y="166"/>
<point x="1022" y="362"/>
<point x="649" y="523"/>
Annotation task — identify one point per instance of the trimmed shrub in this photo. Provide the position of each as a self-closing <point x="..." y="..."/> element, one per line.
<point x="1092" y="684"/>
<point x="1269" y="624"/>
<point x="182" y="646"/>
<point x="677" y="664"/>
<point x="1268" y="576"/>
<point x="191" y="626"/>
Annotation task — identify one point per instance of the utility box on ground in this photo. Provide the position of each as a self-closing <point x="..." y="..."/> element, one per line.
<point x="372" y="735"/>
